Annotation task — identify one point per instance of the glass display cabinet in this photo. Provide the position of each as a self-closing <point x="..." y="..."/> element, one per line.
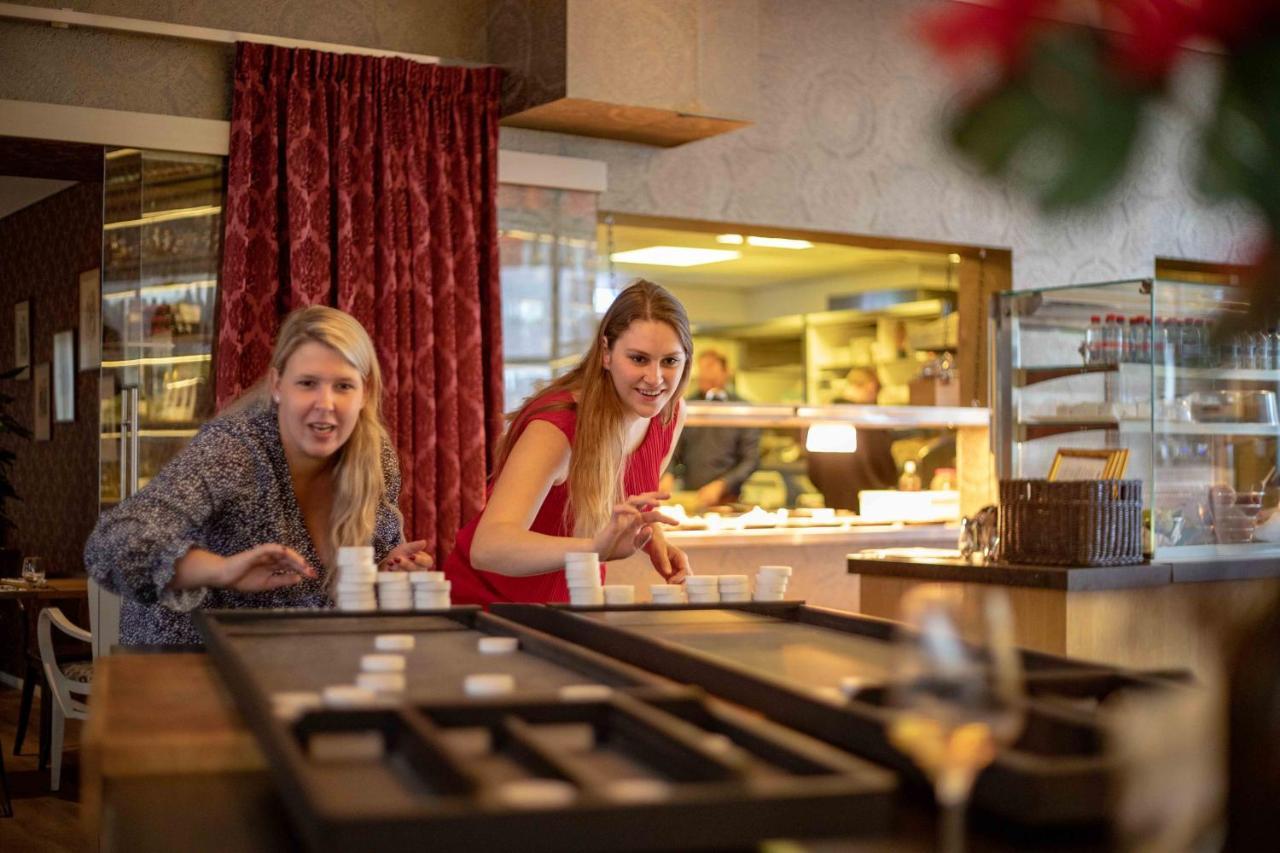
<point x="1168" y="371"/>
<point x="162" y="235"/>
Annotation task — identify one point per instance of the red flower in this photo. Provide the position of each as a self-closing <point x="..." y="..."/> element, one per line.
<point x="1001" y="28"/>
<point x="1152" y="33"/>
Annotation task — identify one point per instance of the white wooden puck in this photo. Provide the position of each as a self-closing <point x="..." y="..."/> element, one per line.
<point x="498" y="645"/>
<point x="393" y="642"/>
<point x="483" y="684"/>
<point x="382" y="663"/>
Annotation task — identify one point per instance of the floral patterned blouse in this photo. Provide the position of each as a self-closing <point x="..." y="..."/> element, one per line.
<point x="229" y="490"/>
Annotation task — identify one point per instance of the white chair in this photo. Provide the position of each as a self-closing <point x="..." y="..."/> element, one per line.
<point x="63" y="681"/>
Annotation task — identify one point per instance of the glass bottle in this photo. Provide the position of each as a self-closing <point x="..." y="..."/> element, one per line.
<point x="1092" y="349"/>
<point x="909" y="481"/>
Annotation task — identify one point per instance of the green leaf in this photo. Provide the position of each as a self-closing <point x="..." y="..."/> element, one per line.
<point x="1063" y="129"/>
<point x="1242" y="141"/>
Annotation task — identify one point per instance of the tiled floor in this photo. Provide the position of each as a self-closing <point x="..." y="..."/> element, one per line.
<point x="43" y="820"/>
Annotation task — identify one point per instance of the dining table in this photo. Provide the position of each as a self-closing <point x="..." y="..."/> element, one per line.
<point x="71" y="595"/>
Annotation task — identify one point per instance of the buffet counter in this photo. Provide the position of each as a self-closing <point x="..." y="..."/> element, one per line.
<point x="816" y="555"/>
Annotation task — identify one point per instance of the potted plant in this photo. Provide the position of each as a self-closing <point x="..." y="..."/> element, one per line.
<point x="10" y="558"/>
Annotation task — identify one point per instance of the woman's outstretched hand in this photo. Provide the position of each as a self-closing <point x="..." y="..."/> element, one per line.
<point x="408" y="557"/>
<point x="668" y="561"/>
<point x="630" y="526"/>
<point x="263" y="568"/>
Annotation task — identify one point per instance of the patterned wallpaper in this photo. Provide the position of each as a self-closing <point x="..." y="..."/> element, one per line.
<point x="848" y="140"/>
<point x="46" y="246"/>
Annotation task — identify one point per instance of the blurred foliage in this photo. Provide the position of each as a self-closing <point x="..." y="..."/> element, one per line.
<point x="1060" y="108"/>
<point x="8" y="425"/>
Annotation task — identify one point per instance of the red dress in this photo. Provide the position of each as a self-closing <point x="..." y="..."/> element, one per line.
<point x="473" y="586"/>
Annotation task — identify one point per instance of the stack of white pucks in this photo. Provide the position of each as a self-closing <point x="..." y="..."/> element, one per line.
<point x="356" y="578"/>
<point x="431" y="591"/>
<point x="619" y="593"/>
<point x="771" y="583"/>
<point x="702" y="589"/>
<point x="384" y="671"/>
<point x="734" y="588"/>
<point x="394" y="592"/>
<point x="666" y="593"/>
<point x="582" y="574"/>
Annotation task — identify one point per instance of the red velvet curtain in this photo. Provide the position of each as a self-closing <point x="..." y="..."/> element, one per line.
<point x="370" y="184"/>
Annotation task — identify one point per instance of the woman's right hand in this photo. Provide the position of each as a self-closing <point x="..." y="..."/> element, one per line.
<point x="263" y="568"/>
<point x="629" y="527"/>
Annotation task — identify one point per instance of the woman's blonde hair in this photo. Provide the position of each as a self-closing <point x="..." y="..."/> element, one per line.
<point x="358" y="479"/>
<point x="599" y="439"/>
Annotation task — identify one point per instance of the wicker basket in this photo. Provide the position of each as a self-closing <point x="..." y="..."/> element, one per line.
<point x="1071" y="523"/>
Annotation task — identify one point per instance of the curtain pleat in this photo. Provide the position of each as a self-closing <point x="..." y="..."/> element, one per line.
<point x="370" y="184"/>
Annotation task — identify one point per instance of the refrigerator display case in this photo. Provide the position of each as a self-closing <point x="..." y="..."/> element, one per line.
<point x="162" y="235"/>
<point x="1171" y="372"/>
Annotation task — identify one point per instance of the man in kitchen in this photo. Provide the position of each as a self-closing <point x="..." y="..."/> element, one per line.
<point x="714" y="461"/>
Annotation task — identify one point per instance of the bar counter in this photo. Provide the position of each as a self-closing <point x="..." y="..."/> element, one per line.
<point x="1160" y="615"/>
<point x="817" y="556"/>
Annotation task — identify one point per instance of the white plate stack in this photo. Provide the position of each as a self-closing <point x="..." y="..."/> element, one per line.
<point x="394" y="592"/>
<point x="734" y="588"/>
<point x="356" y="579"/>
<point x="619" y="593"/>
<point x="582" y="575"/>
<point x="771" y="583"/>
<point x="666" y="593"/>
<point x="702" y="589"/>
<point x="430" y="591"/>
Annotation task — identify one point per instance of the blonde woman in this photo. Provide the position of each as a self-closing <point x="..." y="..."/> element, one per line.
<point x="578" y="467"/>
<point x="252" y="512"/>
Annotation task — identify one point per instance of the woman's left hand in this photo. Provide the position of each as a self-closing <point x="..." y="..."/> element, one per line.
<point x="408" y="557"/>
<point x="668" y="560"/>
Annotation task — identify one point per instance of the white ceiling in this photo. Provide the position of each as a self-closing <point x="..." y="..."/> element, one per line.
<point x="17" y="193"/>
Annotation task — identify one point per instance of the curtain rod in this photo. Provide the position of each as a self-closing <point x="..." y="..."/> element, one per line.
<point x="67" y="18"/>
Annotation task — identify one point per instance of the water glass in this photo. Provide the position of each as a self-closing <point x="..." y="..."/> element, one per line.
<point x="33" y="570"/>
<point x="955" y="703"/>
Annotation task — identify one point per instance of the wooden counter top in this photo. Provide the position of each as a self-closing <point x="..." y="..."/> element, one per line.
<point x="1063" y="578"/>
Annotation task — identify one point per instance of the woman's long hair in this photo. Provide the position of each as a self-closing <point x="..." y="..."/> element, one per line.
<point x="599" y="439"/>
<point x="358" y="479"/>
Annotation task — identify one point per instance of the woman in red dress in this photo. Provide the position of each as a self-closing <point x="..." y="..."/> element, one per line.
<point x="578" y="467"/>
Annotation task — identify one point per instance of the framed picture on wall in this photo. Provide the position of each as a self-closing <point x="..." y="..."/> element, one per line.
<point x="22" y="338"/>
<point x="64" y="377"/>
<point x="90" y="319"/>
<point x="43" y="400"/>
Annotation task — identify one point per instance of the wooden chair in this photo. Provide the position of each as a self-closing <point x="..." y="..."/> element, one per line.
<point x="6" y="807"/>
<point x="64" y="682"/>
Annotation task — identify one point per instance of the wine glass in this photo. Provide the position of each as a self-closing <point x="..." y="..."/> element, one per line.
<point x="955" y="703"/>
<point x="33" y="570"/>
